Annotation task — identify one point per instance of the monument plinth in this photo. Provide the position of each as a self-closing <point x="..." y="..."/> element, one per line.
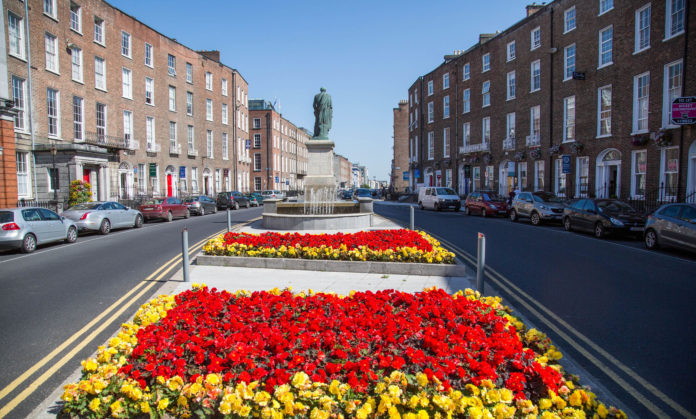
<point x="320" y="169"/>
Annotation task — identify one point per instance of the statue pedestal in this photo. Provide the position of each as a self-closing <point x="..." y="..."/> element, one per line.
<point x="320" y="169"/>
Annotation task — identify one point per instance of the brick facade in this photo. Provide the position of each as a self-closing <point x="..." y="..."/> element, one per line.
<point x="400" y="160"/>
<point x="8" y="164"/>
<point x="604" y="91"/>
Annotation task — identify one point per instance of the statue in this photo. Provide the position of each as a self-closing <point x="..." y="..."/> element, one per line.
<point x="323" y="112"/>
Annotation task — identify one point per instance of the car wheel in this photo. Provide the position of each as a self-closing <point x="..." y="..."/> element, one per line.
<point x="651" y="239"/>
<point x="483" y="213"/>
<point x="187" y="214"/>
<point x="599" y="230"/>
<point x="535" y="218"/>
<point x="456" y="209"/>
<point x="513" y="215"/>
<point x="29" y="243"/>
<point x="436" y="207"/>
<point x="215" y="210"/>
<point x="566" y="224"/>
<point x="248" y="205"/>
<point x="72" y="235"/>
<point x="467" y="211"/>
<point x="170" y="217"/>
<point x="236" y="205"/>
<point x="202" y="211"/>
<point x="105" y="226"/>
<point x="138" y="221"/>
<point x="420" y="205"/>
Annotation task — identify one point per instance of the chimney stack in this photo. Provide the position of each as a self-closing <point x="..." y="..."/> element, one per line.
<point x="212" y="55"/>
<point x="533" y="8"/>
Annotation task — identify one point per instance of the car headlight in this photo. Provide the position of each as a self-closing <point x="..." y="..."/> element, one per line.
<point x="616" y="221"/>
<point x="493" y="206"/>
<point x="544" y="207"/>
<point x="441" y="199"/>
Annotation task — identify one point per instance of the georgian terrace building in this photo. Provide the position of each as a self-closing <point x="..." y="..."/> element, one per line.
<point x="572" y="99"/>
<point x="102" y="97"/>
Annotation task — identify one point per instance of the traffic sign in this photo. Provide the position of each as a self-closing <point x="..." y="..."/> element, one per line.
<point x="182" y="171"/>
<point x="684" y="110"/>
<point x="566" y="163"/>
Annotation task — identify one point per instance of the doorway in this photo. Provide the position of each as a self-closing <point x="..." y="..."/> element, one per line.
<point x="608" y="183"/>
<point x="170" y="187"/>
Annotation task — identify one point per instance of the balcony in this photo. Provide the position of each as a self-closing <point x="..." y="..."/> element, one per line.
<point x="192" y="151"/>
<point x="174" y="148"/>
<point x="475" y="148"/>
<point x="509" y="143"/>
<point x="132" y="144"/>
<point x="534" y="140"/>
<point x="108" y="141"/>
<point x="153" y="148"/>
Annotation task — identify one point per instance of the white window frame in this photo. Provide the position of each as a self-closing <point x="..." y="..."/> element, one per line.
<point x="539" y="180"/>
<point x="50" y="9"/>
<point x="99" y="32"/>
<point x="224" y="113"/>
<point x="602" y="43"/>
<point x="15" y="33"/>
<point x="511" y="85"/>
<point x="209" y="109"/>
<point x="669" y="34"/>
<point x="257" y="162"/>
<point x="53" y="113"/>
<point x="535" y="38"/>
<point x="605" y="6"/>
<point x="171" y="64"/>
<point x="52" y="54"/>
<point x="569" y="119"/>
<point x="189" y="73"/>
<point x="446" y="107"/>
<point x="100" y="78"/>
<point x="75" y="17"/>
<point x="600" y="118"/>
<point x="466" y="71"/>
<point x="535" y="65"/>
<point x="445" y="142"/>
<point x="639" y="29"/>
<point x="208" y="80"/>
<point x="189" y="103"/>
<point x="636" y="105"/>
<point x="466" y="101"/>
<point x="19" y="97"/>
<point x="445" y="81"/>
<point x="23" y="176"/>
<point x="535" y="115"/>
<point x="78" y="118"/>
<point x="634" y="172"/>
<point x="430" y="88"/>
<point x="485" y="62"/>
<point x="150" y="133"/>
<point x="560" y="178"/>
<point x="569" y="23"/>
<point x="127" y="83"/>
<point x="566" y="67"/>
<point x="486" y="130"/>
<point x="150" y="89"/>
<point x="127" y="126"/>
<point x="431" y="145"/>
<point x="223" y="86"/>
<point x="77" y="64"/>
<point x="96" y="119"/>
<point x="664" y="171"/>
<point x="171" y="98"/>
<point x="149" y="53"/>
<point x="431" y="112"/>
<point x="579" y="163"/>
<point x="126" y="47"/>
<point x="666" y="99"/>
<point x="173" y="137"/>
<point x="511" y="51"/>
<point x="190" y="137"/>
<point x="209" y="144"/>
<point x="486" y="94"/>
<point x="466" y="133"/>
<point x="510" y="122"/>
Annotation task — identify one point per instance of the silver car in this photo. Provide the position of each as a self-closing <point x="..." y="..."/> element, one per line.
<point x="103" y="216"/>
<point x="25" y="228"/>
<point x="538" y="206"/>
<point x="672" y="225"/>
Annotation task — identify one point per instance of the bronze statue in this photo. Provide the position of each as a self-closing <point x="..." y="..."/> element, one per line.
<point x="323" y="112"/>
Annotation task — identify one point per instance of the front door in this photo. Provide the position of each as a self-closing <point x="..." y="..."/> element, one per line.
<point x="613" y="183"/>
<point x="124" y="186"/>
<point x="169" y="185"/>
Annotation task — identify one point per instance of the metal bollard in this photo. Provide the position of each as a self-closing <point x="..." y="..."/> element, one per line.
<point x="184" y="254"/>
<point x="480" y="262"/>
<point x="413" y="223"/>
<point x="229" y="220"/>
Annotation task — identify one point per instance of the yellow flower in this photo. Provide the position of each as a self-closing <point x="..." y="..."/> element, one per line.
<point x="545" y="404"/>
<point x="145" y="407"/>
<point x="300" y="379"/>
<point x="162" y="404"/>
<point x="422" y="379"/>
<point x="94" y="404"/>
<point x="89" y="365"/>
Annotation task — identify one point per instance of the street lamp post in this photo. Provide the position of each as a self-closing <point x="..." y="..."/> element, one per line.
<point x="54" y="176"/>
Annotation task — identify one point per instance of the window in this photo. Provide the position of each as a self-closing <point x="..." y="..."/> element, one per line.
<point x="194" y="179"/>
<point x="257" y="140"/>
<point x="172" y="98"/>
<point x="466" y="71"/>
<point x="257" y="162"/>
<point x="535" y="35"/>
<point x="53" y="179"/>
<point x="582" y="179"/>
<point x="569" y="119"/>
<point x="486" y="131"/>
<point x="224" y="113"/>
<point x="189" y="136"/>
<point x="569" y="62"/>
<point x="431" y="112"/>
<point x="510" y="125"/>
<point x="522" y="175"/>
<point x="172" y="136"/>
<point x="639" y="167"/>
<point x="51" y="53"/>
<point x="466" y="133"/>
<point x="670" y="171"/>
<point x="490" y="180"/>
<point x="604" y="111"/>
<point x="445" y="143"/>
<point x="209" y="109"/>
<point x="486" y="62"/>
<point x="569" y="20"/>
<point x="561" y="181"/>
<point x="125" y="44"/>
<point x="641" y="85"/>
<point x="535" y="120"/>
<point x="75" y="17"/>
<point x="486" y="94"/>
<point x="189" y="103"/>
<point x="49" y="8"/>
<point x="674" y="18"/>
<point x="672" y="90"/>
<point x="148" y="55"/>
<point x="605" y="6"/>
<point x="445" y="107"/>
<point x="535" y="82"/>
<point x="19" y="93"/>
<point x="430" y="88"/>
<point x="539" y="175"/>
<point x="209" y="80"/>
<point x="642" y="36"/>
<point x="53" y="112"/>
<point x="78" y="119"/>
<point x="127" y="127"/>
<point x="150" y="133"/>
<point x="127" y="81"/>
<point x="76" y="60"/>
<point x="99" y="73"/>
<point x="445" y="81"/>
<point x="477" y="178"/>
<point x="209" y="143"/>
<point x="257" y="183"/>
<point x="606" y="46"/>
<point x="15" y="26"/>
<point x="98" y="30"/>
<point x="224" y="87"/>
<point x="171" y="65"/>
<point x="256" y="123"/>
<point x="189" y="73"/>
<point x="511" y="51"/>
<point x="466" y="101"/>
<point x="511" y="85"/>
<point x="431" y="145"/>
<point x="23" y="189"/>
<point x="101" y="122"/>
<point x="149" y="91"/>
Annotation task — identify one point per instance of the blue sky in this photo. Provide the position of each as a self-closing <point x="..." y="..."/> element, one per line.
<point x="366" y="53"/>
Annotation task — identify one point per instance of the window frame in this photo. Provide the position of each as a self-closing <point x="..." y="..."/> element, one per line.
<point x="639" y="29"/>
<point x="600" y="50"/>
<point x="189" y="103"/>
<point x="151" y="91"/>
<point x="569" y="121"/>
<point x="567" y="21"/>
<point x="99" y="23"/>
<point x="430" y="88"/>
<point x="486" y="62"/>
<point x="171" y="65"/>
<point x="446" y="107"/>
<point x="149" y="54"/>
<point x="15" y="32"/>
<point x="466" y="101"/>
<point x="466" y="74"/>
<point x="668" y="20"/>
<point x="486" y="130"/>
<point x="445" y="81"/>
<point x="606" y="9"/>
<point x="56" y="115"/>
<point x="104" y="113"/>
<point x="431" y="112"/>
<point x="600" y="111"/>
<point x="567" y="68"/>
<point x="533" y="44"/>
<point x="208" y="80"/>
<point x="189" y="72"/>
<point x="533" y="76"/>
<point x="97" y="85"/>
<point x="511" y="53"/>
<point x="431" y="145"/>
<point x="666" y="102"/>
<point x="50" y="39"/>
<point x="20" y="111"/>
<point x="635" y="173"/>
<point x="636" y="98"/>
<point x="209" y="109"/>
<point x="171" y="98"/>
<point x="78" y="114"/>
<point x="23" y="174"/>
<point x="446" y="140"/>
<point x="127" y="83"/>
<point x="78" y="18"/>
<point x="126" y="43"/>
<point x="486" y="94"/>
<point x="511" y="88"/>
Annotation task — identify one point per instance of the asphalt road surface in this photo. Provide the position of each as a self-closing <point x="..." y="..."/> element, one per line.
<point x="623" y="312"/>
<point x="49" y="295"/>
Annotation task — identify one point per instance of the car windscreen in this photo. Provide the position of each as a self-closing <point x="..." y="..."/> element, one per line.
<point x="192" y="199"/>
<point x="6" y="217"/>
<point x="153" y="202"/>
<point x="614" y="206"/>
<point x="85" y="206"/>
<point x="492" y="197"/>
<point x="545" y="197"/>
<point x="445" y="191"/>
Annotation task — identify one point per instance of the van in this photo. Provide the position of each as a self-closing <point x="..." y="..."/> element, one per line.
<point x="438" y="198"/>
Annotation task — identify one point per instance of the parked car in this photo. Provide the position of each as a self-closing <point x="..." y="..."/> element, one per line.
<point x="346" y="194"/>
<point x="232" y="200"/>
<point x="200" y="205"/>
<point x="103" y="216"/>
<point x="537" y="206"/>
<point x="25" y="228"/>
<point x="164" y="209"/>
<point x="672" y="225"/>
<point x="273" y="194"/>
<point x="485" y="204"/>
<point x="438" y="198"/>
<point x="259" y="197"/>
<point x="602" y="217"/>
<point x="253" y="201"/>
<point x="362" y="193"/>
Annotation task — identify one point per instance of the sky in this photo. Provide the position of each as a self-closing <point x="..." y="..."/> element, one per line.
<point x="365" y="53"/>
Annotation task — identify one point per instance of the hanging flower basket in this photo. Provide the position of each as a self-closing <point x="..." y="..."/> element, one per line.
<point x="557" y="149"/>
<point x="640" y="140"/>
<point x="662" y="137"/>
<point x="576" y="147"/>
<point x="520" y="155"/>
<point x="535" y="154"/>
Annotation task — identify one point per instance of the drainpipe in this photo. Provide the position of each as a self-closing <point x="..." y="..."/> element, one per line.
<point x="30" y="95"/>
<point x="685" y="79"/>
<point x="269" y="142"/>
<point x="234" y="132"/>
<point x="549" y="170"/>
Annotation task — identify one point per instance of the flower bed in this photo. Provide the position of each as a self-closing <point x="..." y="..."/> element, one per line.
<point x="276" y="354"/>
<point x="378" y="245"/>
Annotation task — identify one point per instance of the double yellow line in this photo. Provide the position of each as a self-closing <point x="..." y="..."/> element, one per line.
<point x="131" y="297"/>
<point x="544" y="314"/>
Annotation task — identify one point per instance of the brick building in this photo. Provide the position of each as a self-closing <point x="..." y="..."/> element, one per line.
<point x="278" y="149"/>
<point x="573" y="99"/>
<point x="102" y="97"/>
<point x="342" y="172"/>
<point x="400" y="161"/>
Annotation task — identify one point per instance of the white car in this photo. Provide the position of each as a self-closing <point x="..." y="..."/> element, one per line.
<point x="25" y="228"/>
<point x="438" y="198"/>
<point x="103" y="216"/>
<point x="273" y="194"/>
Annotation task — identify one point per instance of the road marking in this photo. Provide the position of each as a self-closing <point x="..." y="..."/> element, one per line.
<point x="498" y="280"/>
<point x="158" y="273"/>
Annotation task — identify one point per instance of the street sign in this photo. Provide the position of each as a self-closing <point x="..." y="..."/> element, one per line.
<point x="684" y="110"/>
<point x="287" y="181"/>
<point x="405" y="175"/>
<point x="416" y="173"/>
<point x="277" y="179"/>
<point x="182" y="171"/>
<point x="578" y="75"/>
<point x="566" y="163"/>
<point x="153" y="169"/>
<point x="226" y="172"/>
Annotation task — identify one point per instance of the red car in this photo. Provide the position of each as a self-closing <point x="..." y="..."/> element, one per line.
<point x="485" y="203"/>
<point x="164" y="209"/>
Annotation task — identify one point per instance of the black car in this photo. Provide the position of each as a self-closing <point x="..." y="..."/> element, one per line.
<point x="362" y="193"/>
<point x="200" y="205"/>
<point x="602" y="217"/>
<point x="347" y="194"/>
<point x="232" y="200"/>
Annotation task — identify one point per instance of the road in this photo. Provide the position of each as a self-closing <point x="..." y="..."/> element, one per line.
<point x="631" y="305"/>
<point x="48" y="296"/>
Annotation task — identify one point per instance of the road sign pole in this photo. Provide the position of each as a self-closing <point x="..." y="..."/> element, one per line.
<point x="184" y="254"/>
<point x="229" y="220"/>
<point x="480" y="262"/>
<point x="412" y="218"/>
